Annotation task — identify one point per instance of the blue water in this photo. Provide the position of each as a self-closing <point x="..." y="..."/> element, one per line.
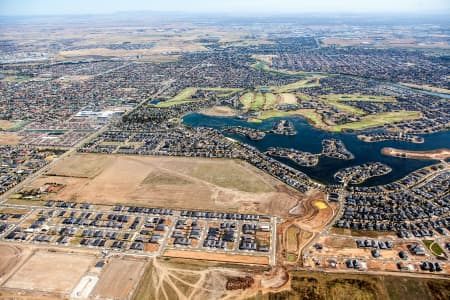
<point x="309" y="139"/>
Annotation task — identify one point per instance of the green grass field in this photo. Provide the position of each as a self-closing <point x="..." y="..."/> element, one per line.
<point x="347" y="108"/>
<point x="433" y="247"/>
<point x="258" y="101"/>
<point x="182" y="97"/>
<point x="308" y="82"/>
<point x="315" y="119"/>
<point x="19" y="125"/>
<point x="185" y="96"/>
<point x="371" y="121"/>
<point x="358" y="97"/>
<point x="338" y="101"/>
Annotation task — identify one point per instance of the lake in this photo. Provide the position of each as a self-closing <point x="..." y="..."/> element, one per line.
<point x="309" y="139"/>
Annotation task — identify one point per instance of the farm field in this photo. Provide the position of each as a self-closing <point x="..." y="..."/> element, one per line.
<point x="190" y="183"/>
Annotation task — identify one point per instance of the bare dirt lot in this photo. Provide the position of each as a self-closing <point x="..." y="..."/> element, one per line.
<point x="168" y="279"/>
<point x="10" y="257"/>
<point x="190" y="183"/>
<point x="50" y="272"/>
<point x="220" y="111"/>
<point x="4" y="124"/>
<point x="118" y="278"/>
<point x="312" y="213"/>
<point x="9" y="138"/>
<point x="248" y="259"/>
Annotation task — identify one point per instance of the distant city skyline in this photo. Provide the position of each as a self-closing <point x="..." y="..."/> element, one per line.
<point x="250" y="7"/>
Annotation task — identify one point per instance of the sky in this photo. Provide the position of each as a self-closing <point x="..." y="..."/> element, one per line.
<point x="251" y="7"/>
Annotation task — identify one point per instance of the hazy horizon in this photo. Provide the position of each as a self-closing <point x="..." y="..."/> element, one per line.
<point x="250" y="7"/>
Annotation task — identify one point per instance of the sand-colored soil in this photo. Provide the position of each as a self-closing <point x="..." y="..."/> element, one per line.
<point x="220" y="111"/>
<point x="312" y="213"/>
<point x="438" y="154"/>
<point x="190" y="183"/>
<point x="10" y="256"/>
<point x="7" y="138"/>
<point x="118" y="278"/>
<point x="51" y="272"/>
<point x="192" y="279"/>
<point x="4" y="124"/>
<point x="247" y="259"/>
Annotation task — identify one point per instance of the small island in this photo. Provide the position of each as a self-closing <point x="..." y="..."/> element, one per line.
<point x="390" y="136"/>
<point x="283" y="127"/>
<point x="301" y="158"/>
<point x="252" y="134"/>
<point x="336" y="149"/>
<point x="359" y="174"/>
<point x="438" y="154"/>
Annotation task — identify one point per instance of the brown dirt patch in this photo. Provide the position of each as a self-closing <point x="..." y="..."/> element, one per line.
<point x="81" y="165"/>
<point x="438" y="154"/>
<point x="5" y="124"/>
<point x="311" y="217"/>
<point x="9" y="138"/>
<point x="10" y="256"/>
<point x="220" y="111"/>
<point x="51" y="272"/>
<point x="118" y="278"/>
<point x="183" y="183"/>
<point x="248" y="259"/>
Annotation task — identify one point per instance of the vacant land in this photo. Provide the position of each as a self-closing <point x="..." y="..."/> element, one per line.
<point x="9" y="138"/>
<point x="191" y="183"/>
<point x="50" y="272"/>
<point x="5" y="124"/>
<point x="10" y="256"/>
<point x="81" y="166"/>
<point x="427" y="88"/>
<point x="247" y="259"/>
<point x="169" y="279"/>
<point x="220" y="111"/>
<point x="292" y="238"/>
<point x="439" y="154"/>
<point x="357" y="97"/>
<point x="307" y="285"/>
<point x="118" y="278"/>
